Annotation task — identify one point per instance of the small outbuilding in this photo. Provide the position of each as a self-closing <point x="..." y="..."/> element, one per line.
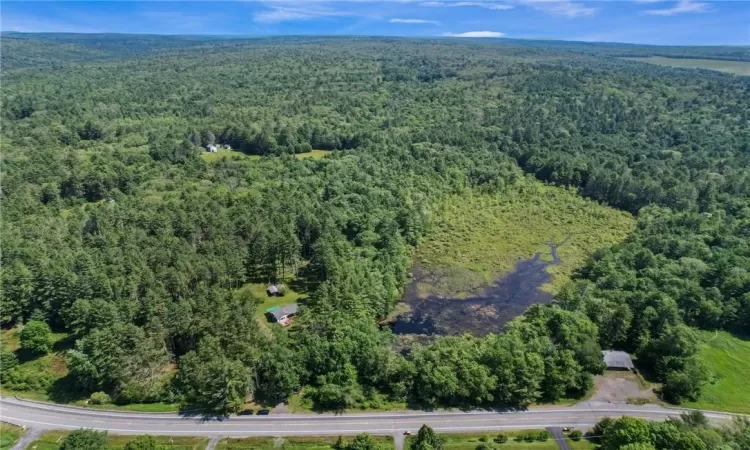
<point x="282" y="314"/>
<point x="276" y="290"/>
<point x="617" y="360"/>
<point x="212" y="148"/>
<point x="227" y="147"/>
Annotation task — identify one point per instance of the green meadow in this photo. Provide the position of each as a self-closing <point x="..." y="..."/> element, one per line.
<point x="728" y="357"/>
<point x="475" y="238"/>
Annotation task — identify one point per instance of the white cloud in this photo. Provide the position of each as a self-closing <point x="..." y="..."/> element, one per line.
<point x="565" y="8"/>
<point x="683" y="6"/>
<point x="476" y="34"/>
<point x="486" y="5"/>
<point x="290" y="10"/>
<point x="415" y="21"/>
<point x="648" y="1"/>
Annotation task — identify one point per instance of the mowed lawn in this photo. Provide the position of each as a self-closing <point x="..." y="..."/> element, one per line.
<point x="735" y="67"/>
<point x="51" y="440"/>
<point x="515" y="441"/>
<point x="728" y="356"/>
<point x="291" y="443"/>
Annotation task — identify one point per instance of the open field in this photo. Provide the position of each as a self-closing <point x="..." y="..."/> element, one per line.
<point x="314" y="154"/>
<point x="477" y="238"/>
<point x="51" y="440"/>
<point x="728" y="357"/>
<point x="735" y="67"/>
<point x="9" y="434"/>
<point x="224" y="154"/>
<point x="515" y="441"/>
<point x="291" y="443"/>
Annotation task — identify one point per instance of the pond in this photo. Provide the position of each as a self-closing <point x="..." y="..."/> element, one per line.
<point x="487" y="310"/>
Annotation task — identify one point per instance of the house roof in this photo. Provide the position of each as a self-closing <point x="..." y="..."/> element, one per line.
<point x="617" y="359"/>
<point x="272" y="289"/>
<point x="280" y="311"/>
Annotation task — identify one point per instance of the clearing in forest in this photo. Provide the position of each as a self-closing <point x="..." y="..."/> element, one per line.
<point x="225" y="154"/>
<point x="735" y="67"/>
<point x="488" y="257"/>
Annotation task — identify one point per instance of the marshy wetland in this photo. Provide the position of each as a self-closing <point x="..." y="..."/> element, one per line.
<point x="489" y="258"/>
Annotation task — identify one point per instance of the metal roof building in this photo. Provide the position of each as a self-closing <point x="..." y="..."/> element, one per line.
<point x="615" y="359"/>
<point x="279" y="313"/>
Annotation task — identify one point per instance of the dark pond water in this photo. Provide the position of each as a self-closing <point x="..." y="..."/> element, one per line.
<point x="486" y="312"/>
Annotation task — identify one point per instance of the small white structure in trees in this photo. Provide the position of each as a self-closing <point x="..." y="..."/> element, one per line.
<point x="211" y="148"/>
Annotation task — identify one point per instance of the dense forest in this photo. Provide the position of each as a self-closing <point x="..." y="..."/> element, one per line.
<point x="118" y="233"/>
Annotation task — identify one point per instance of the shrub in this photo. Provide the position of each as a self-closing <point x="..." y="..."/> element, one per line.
<point x="576" y="435"/>
<point x="36" y="337"/>
<point x="85" y="440"/>
<point x="99" y="398"/>
<point x="542" y="436"/>
<point x="142" y="443"/>
<point x="502" y="438"/>
<point x="485" y="438"/>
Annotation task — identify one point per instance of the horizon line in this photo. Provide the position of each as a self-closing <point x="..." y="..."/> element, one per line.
<point x="436" y="37"/>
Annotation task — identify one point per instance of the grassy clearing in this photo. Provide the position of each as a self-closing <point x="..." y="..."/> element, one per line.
<point x="583" y="444"/>
<point x="258" y="290"/>
<point x="313" y="154"/>
<point x="476" y="238"/>
<point x="226" y="154"/>
<point x="9" y="434"/>
<point x="292" y="443"/>
<point x="515" y="441"/>
<point x="735" y="67"/>
<point x="51" y="440"/>
<point x="35" y="375"/>
<point x="728" y="357"/>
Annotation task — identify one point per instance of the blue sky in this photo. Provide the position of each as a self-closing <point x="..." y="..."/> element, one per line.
<point x="681" y="22"/>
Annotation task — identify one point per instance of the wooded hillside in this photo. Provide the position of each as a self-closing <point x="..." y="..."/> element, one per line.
<point x="118" y="234"/>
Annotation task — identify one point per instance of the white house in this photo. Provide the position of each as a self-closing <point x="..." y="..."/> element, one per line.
<point x="211" y="148"/>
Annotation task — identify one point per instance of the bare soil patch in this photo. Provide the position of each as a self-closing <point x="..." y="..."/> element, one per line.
<point x="621" y="387"/>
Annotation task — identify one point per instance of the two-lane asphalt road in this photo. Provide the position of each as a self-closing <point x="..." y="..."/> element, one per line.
<point x="44" y="416"/>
